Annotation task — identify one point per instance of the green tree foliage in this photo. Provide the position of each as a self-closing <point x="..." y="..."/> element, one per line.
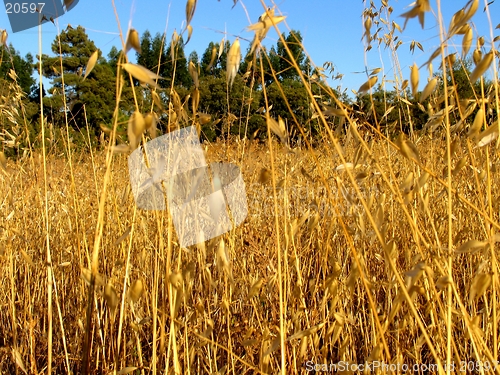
<point x="156" y="52"/>
<point x="298" y="100"/>
<point x="464" y="92"/>
<point x="218" y="67"/>
<point x="287" y="69"/>
<point x="113" y="57"/>
<point x="89" y="101"/>
<point x="174" y="66"/>
<point x="458" y="76"/>
<point x="193" y="56"/>
<point x="34" y="95"/>
<point x="11" y="59"/>
<point x="276" y="63"/>
<point x="276" y="60"/>
<point x="270" y="64"/>
<point x="385" y="109"/>
<point x="33" y="105"/>
<point x="214" y="100"/>
<point x="153" y="52"/>
<point x="127" y="97"/>
<point x="233" y="110"/>
<point x="18" y="93"/>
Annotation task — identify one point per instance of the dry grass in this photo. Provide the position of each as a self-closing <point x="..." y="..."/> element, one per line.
<point x="391" y="258"/>
<point x="221" y="323"/>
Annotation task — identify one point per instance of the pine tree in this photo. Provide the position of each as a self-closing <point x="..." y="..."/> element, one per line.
<point x="218" y="67"/>
<point x="293" y="41"/>
<point x="193" y="56"/>
<point x="156" y="52"/>
<point x="94" y="96"/>
<point x="179" y="65"/>
<point x="113" y="56"/>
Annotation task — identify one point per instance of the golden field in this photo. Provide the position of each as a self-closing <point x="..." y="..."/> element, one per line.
<point x="344" y="296"/>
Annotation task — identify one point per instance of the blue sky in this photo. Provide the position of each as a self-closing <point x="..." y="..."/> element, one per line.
<point x="331" y="29"/>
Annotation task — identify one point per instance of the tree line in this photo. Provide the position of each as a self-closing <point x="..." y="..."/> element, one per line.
<point x="87" y="105"/>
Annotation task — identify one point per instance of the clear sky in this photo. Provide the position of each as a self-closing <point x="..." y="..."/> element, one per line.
<point x="332" y="29"/>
